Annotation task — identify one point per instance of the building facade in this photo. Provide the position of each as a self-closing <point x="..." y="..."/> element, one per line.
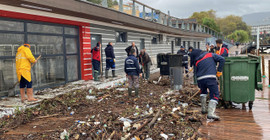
<point x="65" y="41"/>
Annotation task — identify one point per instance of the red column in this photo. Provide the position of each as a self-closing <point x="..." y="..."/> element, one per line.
<point x="86" y="58"/>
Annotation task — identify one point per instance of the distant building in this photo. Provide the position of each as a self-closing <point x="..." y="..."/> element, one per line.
<point x="256" y="20"/>
<point x="264" y="29"/>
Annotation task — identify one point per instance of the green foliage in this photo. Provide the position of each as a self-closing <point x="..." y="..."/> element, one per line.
<point x="227" y="25"/>
<point x="239" y="36"/>
<point x="207" y="18"/>
<point x="211" y="23"/>
<point x="232" y="23"/>
<point x="199" y="16"/>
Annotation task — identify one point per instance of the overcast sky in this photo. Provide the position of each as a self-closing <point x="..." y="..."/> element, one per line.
<point x="185" y="8"/>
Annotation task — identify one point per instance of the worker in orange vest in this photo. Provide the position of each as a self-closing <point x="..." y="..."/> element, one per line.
<point x="222" y="49"/>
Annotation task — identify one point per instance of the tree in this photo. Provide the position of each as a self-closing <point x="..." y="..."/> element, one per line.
<point x="210" y="23"/>
<point x="232" y="23"/>
<point x="239" y="36"/>
<point x="207" y="18"/>
<point x="199" y="16"/>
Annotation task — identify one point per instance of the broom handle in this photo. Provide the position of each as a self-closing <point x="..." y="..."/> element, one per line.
<point x="37" y="60"/>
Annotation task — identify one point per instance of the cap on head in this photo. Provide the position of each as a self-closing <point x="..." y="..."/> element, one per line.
<point x="26" y="45"/>
<point x="182" y="47"/>
<point x="212" y="45"/>
<point x="190" y="48"/>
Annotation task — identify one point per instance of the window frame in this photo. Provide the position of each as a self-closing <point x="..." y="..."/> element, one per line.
<point x="64" y="36"/>
<point x="117" y="38"/>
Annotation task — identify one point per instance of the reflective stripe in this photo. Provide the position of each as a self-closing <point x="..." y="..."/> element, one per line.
<point x="203" y="95"/>
<point x="205" y="57"/>
<point x="206" y="76"/>
<point x="214" y="101"/>
<point x="131" y="68"/>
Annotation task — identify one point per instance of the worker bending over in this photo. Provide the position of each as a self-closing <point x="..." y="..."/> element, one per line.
<point x="24" y="58"/>
<point x="207" y="79"/>
<point x="194" y="54"/>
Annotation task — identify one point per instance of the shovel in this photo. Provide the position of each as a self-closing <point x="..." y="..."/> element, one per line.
<point x="11" y="91"/>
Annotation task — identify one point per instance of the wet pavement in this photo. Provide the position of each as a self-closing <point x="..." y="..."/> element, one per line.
<point x="240" y="123"/>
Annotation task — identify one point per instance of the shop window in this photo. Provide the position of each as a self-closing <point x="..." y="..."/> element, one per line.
<point x="55" y="67"/>
<point x="40" y="28"/>
<point x="46" y="44"/>
<point x="50" y="70"/>
<point x="72" y="67"/>
<point x="71" y="31"/>
<point x="9" y="43"/>
<point x="121" y="36"/>
<point x="11" y="25"/>
<point x="71" y="45"/>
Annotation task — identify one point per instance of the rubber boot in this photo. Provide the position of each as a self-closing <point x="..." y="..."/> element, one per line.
<point x="22" y="92"/>
<point x="30" y="95"/>
<point x="106" y="74"/>
<point x="211" y="110"/>
<point x="129" y="92"/>
<point x="203" y="103"/>
<point x="95" y="75"/>
<point x="113" y="73"/>
<point x="137" y="92"/>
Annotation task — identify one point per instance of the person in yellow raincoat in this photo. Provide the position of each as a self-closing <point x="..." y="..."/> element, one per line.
<point x="24" y="58"/>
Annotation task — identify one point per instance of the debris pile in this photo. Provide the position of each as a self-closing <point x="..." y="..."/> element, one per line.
<point x="158" y="113"/>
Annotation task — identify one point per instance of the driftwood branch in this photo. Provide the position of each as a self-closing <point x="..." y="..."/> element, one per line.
<point x="194" y="95"/>
<point x="154" y="119"/>
<point x="138" y="129"/>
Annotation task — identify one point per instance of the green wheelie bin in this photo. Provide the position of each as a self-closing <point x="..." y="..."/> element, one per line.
<point x="241" y="76"/>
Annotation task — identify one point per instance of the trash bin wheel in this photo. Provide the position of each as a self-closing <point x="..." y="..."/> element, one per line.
<point x="250" y="104"/>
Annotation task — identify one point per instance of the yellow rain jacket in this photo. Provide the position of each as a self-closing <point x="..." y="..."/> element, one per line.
<point x="24" y="58"/>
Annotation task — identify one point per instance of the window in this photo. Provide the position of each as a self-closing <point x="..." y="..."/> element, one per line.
<point x="46" y="44"/>
<point x="194" y="44"/>
<point x="58" y="45"/>
<point x="121" y="36"/>
<point x="39" y="28"/>
<point x="11" y="25"/>
<point x="184" y="44"/>
<point x="154" y="40"/>
<point x="178" y="42"/>
<point x="189" y="44"/>
<point x="71" y="31"/>
<point x="9" y="43"/>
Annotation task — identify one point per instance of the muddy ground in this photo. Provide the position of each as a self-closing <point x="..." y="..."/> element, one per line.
<point x="91" y="114"/>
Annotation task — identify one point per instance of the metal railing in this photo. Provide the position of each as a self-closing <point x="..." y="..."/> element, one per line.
<point x="140" y="10"/>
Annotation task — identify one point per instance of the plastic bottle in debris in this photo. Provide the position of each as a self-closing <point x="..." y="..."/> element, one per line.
<point x="72" y="112"/>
